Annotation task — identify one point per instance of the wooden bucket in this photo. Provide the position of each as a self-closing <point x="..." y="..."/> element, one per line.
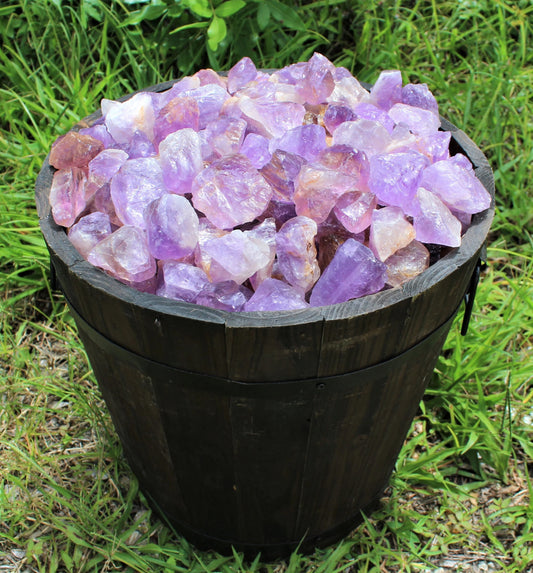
<point x="265" y="431"/>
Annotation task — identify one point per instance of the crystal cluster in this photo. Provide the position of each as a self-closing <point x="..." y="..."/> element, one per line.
<point x="262" y="192"/>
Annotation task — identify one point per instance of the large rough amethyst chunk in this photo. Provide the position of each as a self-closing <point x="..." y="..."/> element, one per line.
<point x="74" y="150"/>
<point x="67" y="195"/>
<point x="307" y="141"/>
<point x="336" y="114"/>
<point x="365" y="135"/>
<point x="331" y="235"/>
<point x="134" y="187"/>
<point x="102" y="168"/>
<point x="210" y="98"/>
<point x="226" y="295"/>
<point x="407" y="263"/>
<point x="281" y="172"/>
<point x="181" y="281"/>
<point x="171" y="226"/>
<point x="354" y="210"/>
<point x="347" y="91"/>
<point x="231" y="192"/>
<point x="124" y="254"/>
<point x="369" y="111"/>
<point x="89" y="231"/>
<point x="225" y="136"/>
<point x="418" y="95"/>
<point x="318" y="189"/>
<point x="236" y="256"/>
<point x="435" y="146"/>
<point x="418" y="120"/>
<point x="353" y="272"/>
<point x="296" y="252"/>
<point x="124" y="119"/>
<point x="435" y="223"/>
<point x="273" y="294"/>
<point x="271" y="119"/>
<point x="456" y="185"/>
<point x="243" y="72"/>
<point x="256" y="148"/>
<point x="317" y="81"/>
<point x="178" y="113"/>
<point x="394" y="178"/>
<point x="389" y="231"/>
<point x="348" y="161"/>
<point x="387" y="90"/>
<point x="181" y="159"/>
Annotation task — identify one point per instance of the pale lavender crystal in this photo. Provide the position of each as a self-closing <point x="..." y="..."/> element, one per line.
<point x="102" y="168"/>
<point x="67" y="195"/>
<point x="462" y="161"/>
<point x="241" y="73"/>
<point x="418" y="120"/>
<point x="318" y="189"/>
<point x="181" y="159"/>
<point x="370" y="111"/>
<point x="336" y="114"/>
<point x="231" y="192"/>
<point x="124" y="119"/>
<point x="99" y="131"/>
<point x="419" y="95"/>
<point x="435" y="146"/>
<point x="225" y="136"/>
<point x="348" y="161"/>
<point x="347" y="91"/>
<point x="435" y="223"/>
<point x="181" y="281"/>
<point x="296" y="252"/>
<point x="273" y="294"/>
<point x="210" y="99"/>
<point x="188" y="83"/>
<point x="402" y="140"/>
<point x="307" y="141"/>
<point x="271" y="119"/>
<point x="208" y="76"/>
<point x="89" y="231"/>
<point x="353" y="272"/>
<point x="227" y="295"/>
<point x="124" y="254"/>
<point x="407" y="263"/>
<point x="206" y="232"/>
<point x="172" y="227"/>
<point x="317" y="81"/>
<point x="266" y="232"/>
<point x="387" y="90"/>
<point x="456" y="185"/>
<point x="139" y="146"/>
<point x="389" y="231"/>
<point x="292" y="74"/>
<point x="256" y="148"/>
<point x="178" y="113"/>
<point x="394" y="178"/>
<point x="354" y="210"/>
<point x="134" y="187"/>
<point x="365" y="135"/>
<point x="236" y="256"/>
<point x="102" y="202"/>
<point x="464" y="218"/>
<point x="281" y="172"/>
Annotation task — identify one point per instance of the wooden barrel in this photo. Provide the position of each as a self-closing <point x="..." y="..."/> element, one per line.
<point x="265" y="431"/>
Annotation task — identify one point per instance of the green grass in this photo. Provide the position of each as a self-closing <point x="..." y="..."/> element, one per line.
<point x="462" y="489"/>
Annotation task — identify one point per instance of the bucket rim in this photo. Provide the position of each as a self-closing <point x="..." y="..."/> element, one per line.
<point x="472" y="243"/>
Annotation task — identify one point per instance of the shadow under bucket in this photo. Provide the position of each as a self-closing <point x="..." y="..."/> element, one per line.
<point x="265" y="431"/>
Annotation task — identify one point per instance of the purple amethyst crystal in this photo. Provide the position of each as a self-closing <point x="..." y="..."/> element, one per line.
<point x="124" y="254"/>
<point x="134" y="187"/>
<point x="67" y="195"/>
<point x="435" y="223"/>
<point x="74" y="150"/>
<point x="231" y="192"/>
<point x="89" y="231"/>
<point x="256" y="148"/>
<point x="354" y="210"/>
<point x="271" y="119"/>
<point x="405" y="264"/>
<point x="178" y="113"/>
<point x="243" y="72"/>
<point x="103" y="167"/>
<point x="456" y="185"/>
<point x="317" y="81"/>
<point x="387" y="90"/>
<point x="418" y="120"/>
<point x="389" y="232"/>
<point x="353" y="272"/>
<point x="394" y="178"/>
<point x="280" y="172"/>
<point x="418" y="95"/>
<point x="124" y="120"/>
<point x="171" y="226"/>
<point x="296" y="251"/>
<point x="307" y="141"/>
<point x="181" y="160"/>
<point x="369" y="111"/>
<point x="363" y="135"/>
<point x="225" y="136"/>
<point x="336" y="114"/>
<point x="226" y="295"/>
<point x="181" y="281"/>
<point x="273" y="294"/>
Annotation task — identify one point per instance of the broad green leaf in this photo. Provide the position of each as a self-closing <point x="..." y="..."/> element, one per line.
<point x="216" y="32"/>
<point x="190" y="27"/>
<point x="200" y="8"/>
<point x="147" y="13"/>
<point x="229" y="8"/>
<point x="263" y="16"/>
<point x="286" y="15"/>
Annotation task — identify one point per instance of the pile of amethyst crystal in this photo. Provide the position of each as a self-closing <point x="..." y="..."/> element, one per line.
<point x="260" y="192"/>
